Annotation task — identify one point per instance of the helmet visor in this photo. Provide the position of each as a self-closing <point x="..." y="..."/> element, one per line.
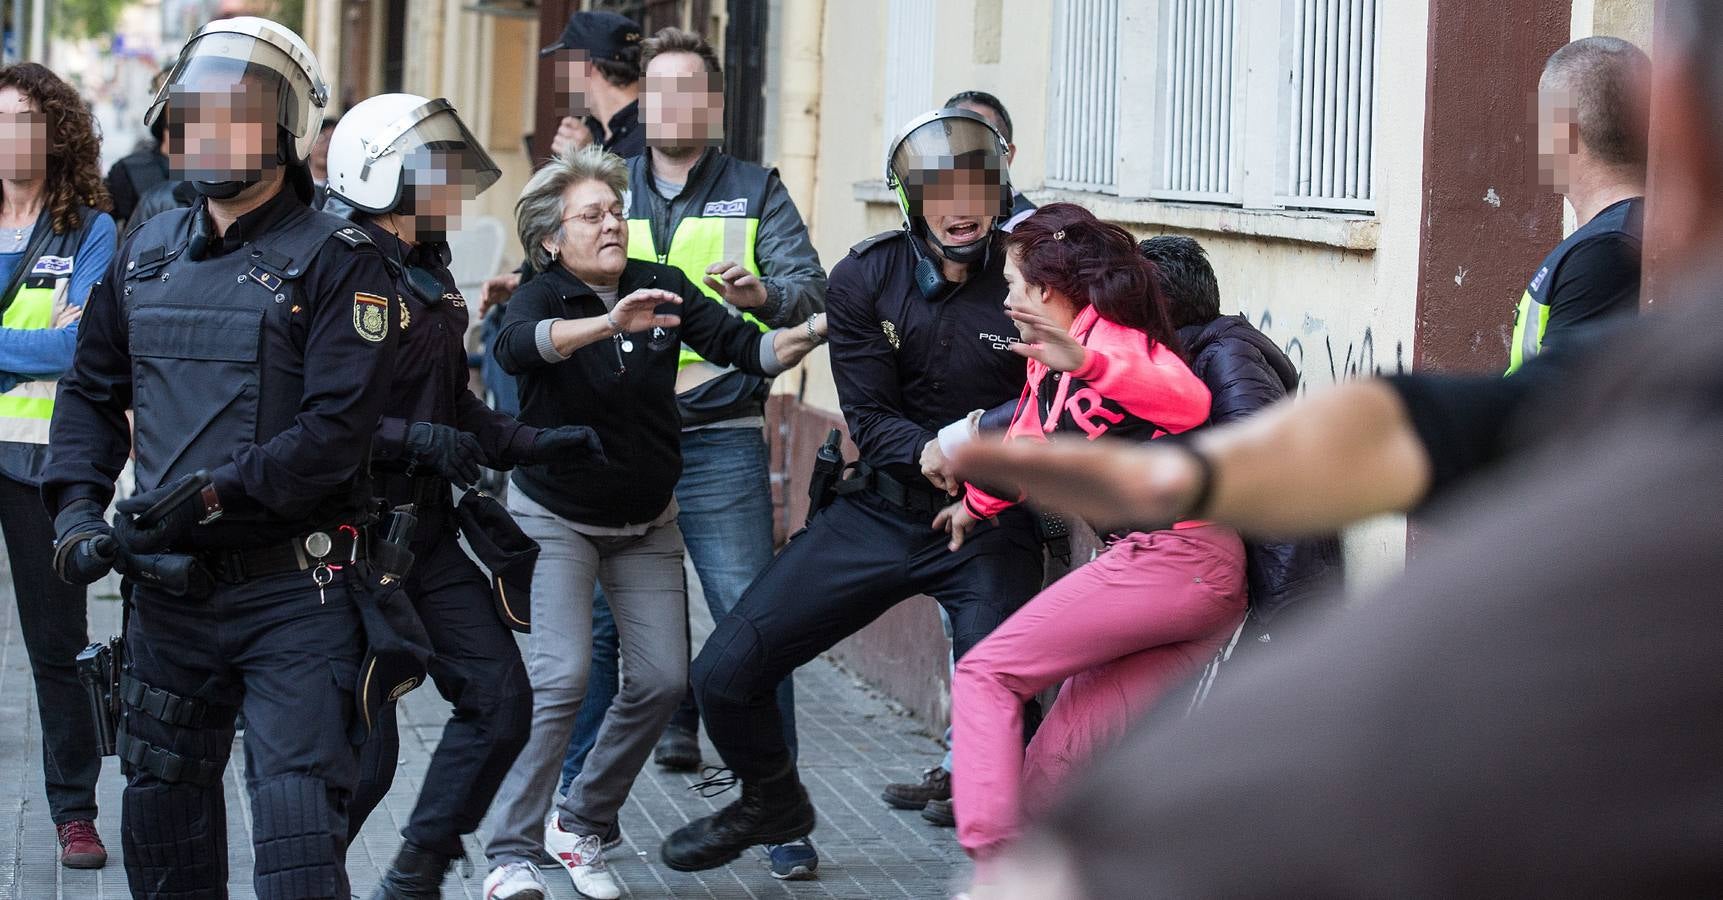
<point x="948" y="151"/>
<point x="253" y="75"/>
<point x="436" y="148"/>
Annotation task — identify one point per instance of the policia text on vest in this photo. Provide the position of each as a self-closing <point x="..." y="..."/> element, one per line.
<point x="732" y="210"/>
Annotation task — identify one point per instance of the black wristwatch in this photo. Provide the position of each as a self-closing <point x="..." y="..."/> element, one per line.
<point x="1205" y="482"/>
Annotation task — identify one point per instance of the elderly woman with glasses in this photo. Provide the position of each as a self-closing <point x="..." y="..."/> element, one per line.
<point x="594" y="340"/>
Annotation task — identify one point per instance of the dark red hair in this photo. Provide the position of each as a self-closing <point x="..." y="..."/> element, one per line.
<point x="1062" y="247"/>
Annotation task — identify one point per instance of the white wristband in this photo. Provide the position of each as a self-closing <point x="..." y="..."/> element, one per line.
<point x="959" y="433"/>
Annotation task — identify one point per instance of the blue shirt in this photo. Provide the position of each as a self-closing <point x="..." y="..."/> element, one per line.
<point x="40" y="354"/>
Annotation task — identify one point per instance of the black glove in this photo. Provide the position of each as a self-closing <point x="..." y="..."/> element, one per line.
<point x="84" y="546"/>
<point x="173" y="525"/>
<point x="454" y="454"/>
<point x="566" y="443"/>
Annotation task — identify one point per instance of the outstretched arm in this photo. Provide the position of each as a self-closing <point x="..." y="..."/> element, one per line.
<point x="1307" y="467"/>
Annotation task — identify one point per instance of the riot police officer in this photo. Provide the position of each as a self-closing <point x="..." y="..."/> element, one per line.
<point x="251" y="337"/>
<point x="918" y="333"/>
<point x="405" y="164"/>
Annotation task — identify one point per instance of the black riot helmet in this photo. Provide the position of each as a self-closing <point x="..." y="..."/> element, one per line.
<point x="942" y="143"/>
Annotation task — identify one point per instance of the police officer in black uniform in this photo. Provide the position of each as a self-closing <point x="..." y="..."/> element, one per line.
<point x="919" y="339"/>
<point x="405" y="164"/>
<point x="253" y="338"/>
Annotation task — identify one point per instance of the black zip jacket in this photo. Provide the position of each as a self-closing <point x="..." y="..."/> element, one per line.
<point x="628" y="396"/>
<point x="1246" y="371"/>
<point x="907" y="365"/>
<point x="430" y="383"/>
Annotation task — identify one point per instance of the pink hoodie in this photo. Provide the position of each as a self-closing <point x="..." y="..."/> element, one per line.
<point x="1129" y="386"/>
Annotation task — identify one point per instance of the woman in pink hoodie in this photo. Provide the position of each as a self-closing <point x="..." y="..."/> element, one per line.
<point x="1152" y="608"/>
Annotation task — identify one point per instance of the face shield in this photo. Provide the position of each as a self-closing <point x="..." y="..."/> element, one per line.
<point x="246" y="71"/>
<point x="436" y="149"/>
<point x="950" y="163"/>
<point x="421" y="161"/>
<point x="222" y="122"/>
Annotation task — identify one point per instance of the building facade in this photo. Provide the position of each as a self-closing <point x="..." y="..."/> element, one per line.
<point x="1361" y="171"/>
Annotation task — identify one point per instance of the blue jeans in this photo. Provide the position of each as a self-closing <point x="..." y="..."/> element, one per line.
<point x="725" y="497"/>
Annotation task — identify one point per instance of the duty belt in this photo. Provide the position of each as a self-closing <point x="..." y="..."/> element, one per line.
<point x="301" y="554"/>
<point x="915" y="498"/>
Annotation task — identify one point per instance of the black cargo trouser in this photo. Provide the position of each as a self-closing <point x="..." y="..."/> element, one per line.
<point x="477" y="668"/>
<point x="288" y="655"/>
<point x="857" y="558"/>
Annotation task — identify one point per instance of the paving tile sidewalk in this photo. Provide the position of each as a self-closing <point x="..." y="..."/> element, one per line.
<point x="853" y="741"/>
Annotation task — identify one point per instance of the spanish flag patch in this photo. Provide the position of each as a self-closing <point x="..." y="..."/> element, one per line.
<point x="370" y="316"/>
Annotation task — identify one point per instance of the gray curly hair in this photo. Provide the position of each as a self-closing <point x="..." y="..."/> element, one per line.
<point x="539" y="212"/>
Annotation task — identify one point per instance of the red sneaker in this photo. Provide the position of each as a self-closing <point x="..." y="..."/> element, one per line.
<point x="80" y="845"/>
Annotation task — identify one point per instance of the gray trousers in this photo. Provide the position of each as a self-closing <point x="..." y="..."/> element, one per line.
<point x="642" y="577"/>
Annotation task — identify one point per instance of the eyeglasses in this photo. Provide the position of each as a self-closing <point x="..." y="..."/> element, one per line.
<point x="595" y="216"/>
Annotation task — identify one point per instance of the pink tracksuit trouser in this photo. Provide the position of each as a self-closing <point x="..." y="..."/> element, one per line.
<point x="1133" y="623"/>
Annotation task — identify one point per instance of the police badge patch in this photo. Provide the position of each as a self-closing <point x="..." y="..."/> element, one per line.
<point x="370" y="316"/>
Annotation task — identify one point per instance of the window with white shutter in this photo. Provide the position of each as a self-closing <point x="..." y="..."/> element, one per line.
<point x="1083" y="96"/>
<point x="908" y="65"/>
<point x="1197" y="161"/>
<point x="1330" y="104"/>
<point x="1259" y="104"/>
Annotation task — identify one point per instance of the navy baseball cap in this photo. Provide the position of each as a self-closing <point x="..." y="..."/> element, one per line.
<point x="602" y="35"/>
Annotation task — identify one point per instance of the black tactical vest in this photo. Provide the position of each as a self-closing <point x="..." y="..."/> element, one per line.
<point x="205" y="379"/>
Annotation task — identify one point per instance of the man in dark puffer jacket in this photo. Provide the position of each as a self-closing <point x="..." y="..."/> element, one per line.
<point x="1245" y="371"/>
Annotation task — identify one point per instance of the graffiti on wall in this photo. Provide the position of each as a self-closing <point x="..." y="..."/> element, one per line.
<point x="1319" y="356"/>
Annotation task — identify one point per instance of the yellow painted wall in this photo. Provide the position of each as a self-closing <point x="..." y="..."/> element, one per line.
<point x="1630" y="19"/>
<point x="483" y="64"/>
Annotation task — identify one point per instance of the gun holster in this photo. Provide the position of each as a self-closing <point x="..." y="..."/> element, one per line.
<point x="99" y="669"/>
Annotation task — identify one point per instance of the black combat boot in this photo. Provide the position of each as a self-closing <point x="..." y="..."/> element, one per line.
<point x="771" y="811"/>
<point x="416" y="874"/>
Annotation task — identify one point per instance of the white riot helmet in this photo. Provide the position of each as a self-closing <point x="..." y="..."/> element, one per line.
<point x="378" y="143"/>
<point x="228" y="50"/>
<point x="940" y="142"/>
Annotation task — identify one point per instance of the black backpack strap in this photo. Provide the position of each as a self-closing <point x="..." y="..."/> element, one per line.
<point x="39" y="237"/>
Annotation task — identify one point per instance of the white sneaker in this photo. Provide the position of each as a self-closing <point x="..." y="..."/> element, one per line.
<point x="516" y="880"/>
<point x="582" y="856"/>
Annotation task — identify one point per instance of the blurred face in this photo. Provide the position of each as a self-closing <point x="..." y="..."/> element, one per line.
<point x="435" y="186"/>
<point x="23" y="138"/>
<point x="1025" y="297"/>
<point x="571" y="70"/>
<point x="594" y="237"/>
<point x="682" y="103"/>
<point x="226" y="133"/>
<point x="1558" y="138"/>
<point x="959" y="205"/>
